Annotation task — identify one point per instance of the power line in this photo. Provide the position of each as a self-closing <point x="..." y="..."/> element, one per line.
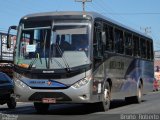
<point x="102" y="7"/>
<point x="2" y="28"/>
<point x="3" y="31"/>
<point x="95" y="7"/>
<point x="99" y="6"/>
<point x="137" y="13"/>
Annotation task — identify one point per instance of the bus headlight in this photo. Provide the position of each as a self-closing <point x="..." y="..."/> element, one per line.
<point x="82" y="82"/>
<point x="20" y="83"/>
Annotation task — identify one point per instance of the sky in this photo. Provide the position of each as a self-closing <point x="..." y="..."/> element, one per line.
<point x="137" y="14"/>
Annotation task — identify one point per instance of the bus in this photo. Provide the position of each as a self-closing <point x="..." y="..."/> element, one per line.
<point x="77" y="57"/>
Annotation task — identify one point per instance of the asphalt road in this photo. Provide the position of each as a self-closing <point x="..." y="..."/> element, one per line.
<point x="26" y="111"/>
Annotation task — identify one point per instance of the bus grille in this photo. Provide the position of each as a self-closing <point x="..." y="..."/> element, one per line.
<point x="59" y="96"/>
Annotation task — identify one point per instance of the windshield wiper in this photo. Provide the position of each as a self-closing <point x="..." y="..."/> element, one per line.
<point x="44" y="48"/>
<point x="63" y="58"/>
<point x="33" y="61"/>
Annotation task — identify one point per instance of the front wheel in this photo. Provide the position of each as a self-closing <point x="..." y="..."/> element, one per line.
<point x="11" y="103"/>
<point x="106" y="98"/>
<point x="41" y="107"/>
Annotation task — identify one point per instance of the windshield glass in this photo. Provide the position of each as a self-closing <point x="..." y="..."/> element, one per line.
<point x="70" y="44"/>
<point x="33" y="47"/>
<point x="64" y="46"/>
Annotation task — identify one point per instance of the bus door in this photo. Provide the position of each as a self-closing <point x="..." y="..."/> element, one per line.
<point x="98" y="55"/>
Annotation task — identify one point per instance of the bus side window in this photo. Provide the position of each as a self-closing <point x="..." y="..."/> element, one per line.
<point x="128" y="44"/>
<point x="152" y="56"/>
<point x="136" y="48"/>
<point x="25" y="40"/>
<point x="148" y="50"/>
<point x="119" y="42"/>
<point x="97" y="44"/>
<point x="109" y="38"/>
<point x="143" y="48"/>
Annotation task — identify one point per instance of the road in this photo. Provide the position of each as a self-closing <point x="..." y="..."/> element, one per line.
<point x="26" y="111"/>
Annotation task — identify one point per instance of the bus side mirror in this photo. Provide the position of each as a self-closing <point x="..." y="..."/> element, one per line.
<point x="9" y="35"/>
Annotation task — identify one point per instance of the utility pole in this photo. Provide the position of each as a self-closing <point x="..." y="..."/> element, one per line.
<point x="83" y="3"/>
<point x="146" y="30"/>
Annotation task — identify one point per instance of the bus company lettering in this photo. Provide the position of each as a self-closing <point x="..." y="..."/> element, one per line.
<point x="37" y="82"/>
<point x="116" y="65"/>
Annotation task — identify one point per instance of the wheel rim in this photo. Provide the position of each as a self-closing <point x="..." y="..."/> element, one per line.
<point x="139" y="93"/>
<point x="106" y="97"/>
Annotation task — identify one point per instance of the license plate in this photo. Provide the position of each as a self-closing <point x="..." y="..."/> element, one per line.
<point x="49" y="100"/>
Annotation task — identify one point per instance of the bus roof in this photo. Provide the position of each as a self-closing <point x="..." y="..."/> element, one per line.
<point x="79" y="13"/>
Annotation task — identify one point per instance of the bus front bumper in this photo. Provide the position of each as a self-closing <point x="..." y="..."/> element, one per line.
<point x="24" y="93"/>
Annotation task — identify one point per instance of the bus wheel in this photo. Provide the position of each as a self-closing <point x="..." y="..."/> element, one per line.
<point x="138" y="98"/>
<point x="105" y="104"/>
<point x="41" y="107"/>
<point x="11" y="103"/>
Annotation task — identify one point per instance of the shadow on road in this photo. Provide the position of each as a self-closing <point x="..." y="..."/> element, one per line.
<point x="82" y="109"/>
<point x="65" y="109"/>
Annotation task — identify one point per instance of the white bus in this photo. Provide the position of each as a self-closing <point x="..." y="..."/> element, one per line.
<point x="69" y="57"/>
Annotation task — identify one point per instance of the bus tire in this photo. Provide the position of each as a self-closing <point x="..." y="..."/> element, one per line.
<point x="106" y="98"/>
<point x="41" y="108"/>
<point x="138" y="97"/>
<point x="11" y="103"/>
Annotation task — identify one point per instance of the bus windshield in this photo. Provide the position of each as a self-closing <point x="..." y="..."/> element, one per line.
<point x="60" y="47"/>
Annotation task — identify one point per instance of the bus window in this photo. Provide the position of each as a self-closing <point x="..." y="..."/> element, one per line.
<point x="119" y="43"/>
<point x="109" y="38"/>
<point x="152" y="57"/>
<point x="148" y="50"/>
<point x="25" y="39"/>
<point x="97" y="44"/>
<point x="136" y="50"/>
<point x="128" y="44"/>
<point x="64" y="43"/>
<point x="35" y="41"/>
<point x="143" y="48"/>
